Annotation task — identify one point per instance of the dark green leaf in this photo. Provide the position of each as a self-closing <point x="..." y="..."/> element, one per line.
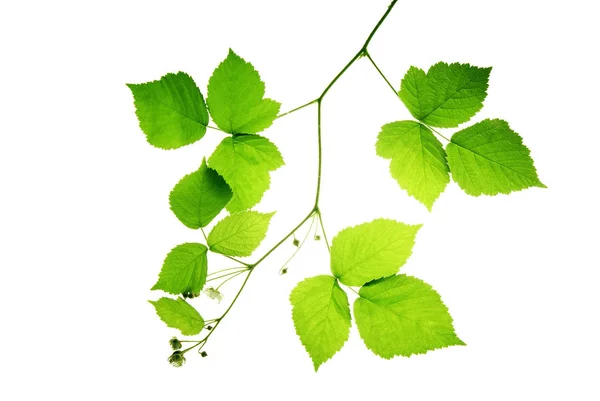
<point x="199" y="197"/>
<point x="448" y="95"/>
<point x="489" y="158"/>
<point x="184" y="270"/>
<point x="171" y="110"/>
<point x="402" y="315"/>
<point x="235" y="98"/>
<point x="179" y="315"/>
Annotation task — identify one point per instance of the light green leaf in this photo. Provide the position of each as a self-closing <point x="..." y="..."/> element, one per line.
<point x="239" y="234"/>
<point x="199" y="197"/>
<point x="235" y="98"/>
<point x="489" y="158"/>
<point x="321" y="315"/>
<point x="372" y="250"/>
<point x="418" y="159"/>
<point x="184" y="270"/>
<point x="402" y="315"/>
<point x="171" y="110"/>
<point x="245" y="161"/>
<point x="448" y="95"/>
<point x="179" y="315"/>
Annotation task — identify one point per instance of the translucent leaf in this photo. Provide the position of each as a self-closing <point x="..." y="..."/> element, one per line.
<point x="245" y="162"/>
<point x="402" y="315"/>
<point x="448" y="95"/>
<point x="179" y="315"/>
<point x="171" y="111"/>
<point x="239" y="234"/>
<point x="199" y="197"/>
<point x="489" y="158"/>
<point x="418" y="159"/>
<point x="184" y="270"/>
<point x="321" y="315"/>
<point x="235" y="98"/>
<point x="372" y="250"/>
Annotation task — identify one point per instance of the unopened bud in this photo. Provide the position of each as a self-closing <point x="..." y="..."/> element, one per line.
<point x="209" y="327"/>
<point x="177" y="359"/>
<point x="284" y="271"/>
<point x="175" y="343"/>
<point x="317" y="237"/>
<point x="296" y="242"/>
<point x="203" y="354"/>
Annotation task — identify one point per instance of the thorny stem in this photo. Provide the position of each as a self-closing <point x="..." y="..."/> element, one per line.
<point x="315" y="210"/>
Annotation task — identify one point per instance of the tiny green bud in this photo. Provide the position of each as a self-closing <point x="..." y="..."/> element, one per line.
<point x="203" y="354"/>
<point x="296" y="242"/>
<point x="209" y="327"/>
<point x="175" y="343"/>
<point x="317" y="237"/>
<point x="284" y="271"/>
<point x="177" y="359"/>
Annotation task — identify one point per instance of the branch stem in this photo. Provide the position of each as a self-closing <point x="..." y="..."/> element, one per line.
<point x="381" y="73"/>
<point x="315" y="210"/>
<point x="297" y="108"/>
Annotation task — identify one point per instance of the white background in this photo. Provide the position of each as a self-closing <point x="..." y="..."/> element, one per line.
<point x="85" y="221"/>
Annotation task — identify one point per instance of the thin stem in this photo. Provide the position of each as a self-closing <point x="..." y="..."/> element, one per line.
<point x="320" y="216"/>
<point x="224" y="270"/>
<point x="297" y="108"/>
<point x="203" y="341"/>
<point x="356" y="57"/>
<point x="236" y="260"/>
<point x="320" y="150"/>
<point x="353" y="290"/>
<point x="379" y="24"/>
<point x="434" y="130"/>
<point x="224" y="275"/>
<point x="381" y="73"/>
<point x="216" y="129"/>
<point x="229" y="278"/>
<point x="308" y="216"/>
<point x="299" y="246"/>
<point x="204" y="234"/>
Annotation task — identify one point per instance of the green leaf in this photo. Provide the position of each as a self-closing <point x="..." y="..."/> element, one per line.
<point x="171" y="110"/>
<point x="179" y="315"/>
<point x="184" y="270"/>
<point x="448" y="95"/>
<point x="199" y="197"/>
<point x="235" y="98"/>
<point x="321" y="315"/>
<point x="402" y="315"/>
<point x="418" y="159"/>
<point x="239" y="234"/>
<point x="489" y="158"/>
<point x="245" y="161"/>
<point x="372" y="250"/>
